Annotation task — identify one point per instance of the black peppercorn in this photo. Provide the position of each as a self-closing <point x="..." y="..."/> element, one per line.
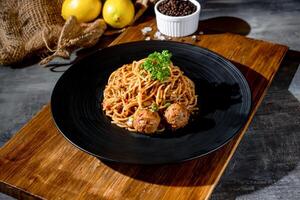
<point x="176" y="7"/>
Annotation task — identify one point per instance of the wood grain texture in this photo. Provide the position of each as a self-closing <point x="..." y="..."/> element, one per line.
<point x="39" y="163"/>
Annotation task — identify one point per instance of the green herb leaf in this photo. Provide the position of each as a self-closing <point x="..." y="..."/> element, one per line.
<point x="154" y="107"/>
<point x="157" y="64"/>
<point x="167" y="104"/>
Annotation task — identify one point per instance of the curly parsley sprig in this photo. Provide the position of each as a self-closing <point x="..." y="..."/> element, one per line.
<point x="157" y="64"/>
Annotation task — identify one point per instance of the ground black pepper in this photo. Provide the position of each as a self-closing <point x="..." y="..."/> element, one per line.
<point x="176" y="7"/>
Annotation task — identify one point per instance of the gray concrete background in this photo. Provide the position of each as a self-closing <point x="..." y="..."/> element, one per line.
<point x="266" y="164"/>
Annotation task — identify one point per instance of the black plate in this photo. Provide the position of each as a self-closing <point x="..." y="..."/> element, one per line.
<point x="224" y="101"/>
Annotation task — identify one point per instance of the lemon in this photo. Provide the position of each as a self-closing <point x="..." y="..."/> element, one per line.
<point x="118" y="13"/>
<point x="83" y="10"/>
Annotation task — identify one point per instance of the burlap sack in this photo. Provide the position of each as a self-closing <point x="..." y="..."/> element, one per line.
<point x="36" y="27"/>
<point x="23" y="24"/>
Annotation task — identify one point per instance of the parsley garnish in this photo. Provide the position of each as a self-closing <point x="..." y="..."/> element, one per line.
<point x="157" y="64"/>
<point x="154" y="107"/>
<point x="167" y="104"/>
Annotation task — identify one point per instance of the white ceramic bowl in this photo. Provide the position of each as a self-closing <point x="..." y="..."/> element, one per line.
<point x="177" y="26"/>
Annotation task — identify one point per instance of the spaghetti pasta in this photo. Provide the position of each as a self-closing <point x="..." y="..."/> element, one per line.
<point x="131" y="88"/>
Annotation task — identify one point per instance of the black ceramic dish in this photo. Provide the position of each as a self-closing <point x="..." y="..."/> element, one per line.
<point x="224" y="102"/>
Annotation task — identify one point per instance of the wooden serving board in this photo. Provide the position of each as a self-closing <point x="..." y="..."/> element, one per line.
<point x="39" y="163"/>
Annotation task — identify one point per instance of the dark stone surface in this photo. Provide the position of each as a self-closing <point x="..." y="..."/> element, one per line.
<point x="266" y="164"/>
<point x="273" y="20"/>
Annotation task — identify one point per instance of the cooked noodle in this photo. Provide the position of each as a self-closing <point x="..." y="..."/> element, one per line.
<point x="131" y="87"/>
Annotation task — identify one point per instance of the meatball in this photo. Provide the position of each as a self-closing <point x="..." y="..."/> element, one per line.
<point x="146" y="121"/>
<point x="177" y="115"/>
